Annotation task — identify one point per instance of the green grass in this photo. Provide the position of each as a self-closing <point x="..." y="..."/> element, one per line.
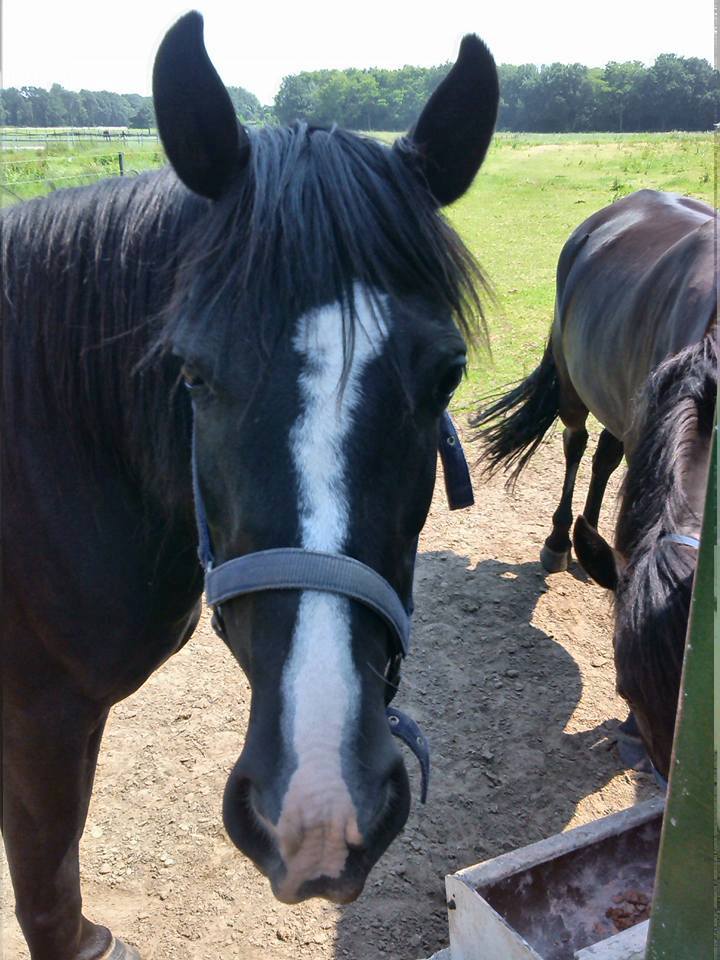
<point x="532" y="192"/>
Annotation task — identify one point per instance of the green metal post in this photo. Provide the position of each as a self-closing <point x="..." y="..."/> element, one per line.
<point x="683" y="916"/>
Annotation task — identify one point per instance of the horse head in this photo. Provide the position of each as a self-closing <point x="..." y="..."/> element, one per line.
<point x="651" y="569"/>
<point x="322" y="315"/>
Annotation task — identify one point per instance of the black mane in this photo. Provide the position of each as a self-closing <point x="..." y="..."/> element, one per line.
<point x="83" y="274"/>
<point x="653" y="594"/>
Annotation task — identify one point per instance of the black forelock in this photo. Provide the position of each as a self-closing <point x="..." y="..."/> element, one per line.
<point x="318" y="211"/>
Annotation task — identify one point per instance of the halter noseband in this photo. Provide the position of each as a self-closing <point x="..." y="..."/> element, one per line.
<point x="292" y="568"/>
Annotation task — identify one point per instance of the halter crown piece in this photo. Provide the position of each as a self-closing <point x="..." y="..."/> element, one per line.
<point x="292" y="568"/>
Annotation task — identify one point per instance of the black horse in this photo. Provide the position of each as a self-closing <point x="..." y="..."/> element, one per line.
<point x="319" y="308"/>
<point x="634" y="343"/>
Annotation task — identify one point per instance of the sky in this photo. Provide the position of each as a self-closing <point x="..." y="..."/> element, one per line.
<point x="110" y="46"/>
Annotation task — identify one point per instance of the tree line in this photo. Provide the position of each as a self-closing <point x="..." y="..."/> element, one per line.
<point x="675" y="93"/>
<point x="57" y="107"/>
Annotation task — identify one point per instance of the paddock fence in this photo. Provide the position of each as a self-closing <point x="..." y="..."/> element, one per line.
<point x="69" y="158"/>
<point x="20" y="138"/>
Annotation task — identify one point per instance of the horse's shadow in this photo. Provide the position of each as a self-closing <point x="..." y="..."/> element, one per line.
<point x="494" y="694"/>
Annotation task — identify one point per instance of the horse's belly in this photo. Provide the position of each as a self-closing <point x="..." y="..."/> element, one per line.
<point x="607" y="385"/>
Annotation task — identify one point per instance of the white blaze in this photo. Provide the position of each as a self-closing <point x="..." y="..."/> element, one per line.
<point x="320" y="688"/>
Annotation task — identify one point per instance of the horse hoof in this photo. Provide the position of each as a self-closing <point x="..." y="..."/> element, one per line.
<point x="120" y="951"/>
<point x="554" y="561"/>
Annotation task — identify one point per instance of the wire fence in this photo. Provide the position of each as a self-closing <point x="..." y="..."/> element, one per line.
<point x="16" y="174"/>
<point x="33" y="138"/>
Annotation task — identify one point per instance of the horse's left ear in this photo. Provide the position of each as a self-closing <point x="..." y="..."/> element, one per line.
<point x="456" y="126"/>
<point x="596" y="556"/>
<point x="196" y="120"/>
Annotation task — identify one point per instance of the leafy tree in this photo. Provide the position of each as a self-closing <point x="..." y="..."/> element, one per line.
<point x="247" y="106"/>
<point x="516" y="98"/>
<point x="297" y="98"/>
<point x="57" y="115"/>
<point x="622" y="91"/>
<point x="142" y="119"/>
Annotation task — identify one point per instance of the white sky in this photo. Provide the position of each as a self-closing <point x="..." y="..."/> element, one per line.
<point x="103" y="45"/>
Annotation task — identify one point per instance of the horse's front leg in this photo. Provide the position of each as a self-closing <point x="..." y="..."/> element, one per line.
<point x="607" y="459"/>
<point x="51" y="738"/>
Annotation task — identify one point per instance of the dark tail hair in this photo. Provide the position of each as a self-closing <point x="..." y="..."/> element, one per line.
<point x="527" y="412"/>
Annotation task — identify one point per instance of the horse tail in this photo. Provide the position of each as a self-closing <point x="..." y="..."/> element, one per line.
<point x="513" y="426"/>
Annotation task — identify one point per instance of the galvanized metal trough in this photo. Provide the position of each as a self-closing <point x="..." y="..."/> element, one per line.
<point x="550" y="900"/>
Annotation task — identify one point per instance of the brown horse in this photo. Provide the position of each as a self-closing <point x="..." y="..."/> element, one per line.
<point x="634" y="343"/>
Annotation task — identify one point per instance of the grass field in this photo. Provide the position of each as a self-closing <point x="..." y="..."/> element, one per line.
<point x="533" y="190"/>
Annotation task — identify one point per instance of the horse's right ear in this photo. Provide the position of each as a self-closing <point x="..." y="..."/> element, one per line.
<point x="596" y="556"/>
<point x="196" y="120"/>
<point x="454" y="131"/>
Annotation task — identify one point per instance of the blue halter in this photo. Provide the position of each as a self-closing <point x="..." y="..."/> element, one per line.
<point x="681" y="539"/>
<point x="298" y="569"/>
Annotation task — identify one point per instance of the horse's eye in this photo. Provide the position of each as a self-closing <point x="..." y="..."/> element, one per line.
<point x="191" y="379"/>
<point x="450" y="381"/>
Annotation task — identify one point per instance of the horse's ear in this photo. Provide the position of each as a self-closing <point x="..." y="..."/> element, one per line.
<point x="196" y="120"/>
<point x="456" y="126"/>
<point x="596" y="556"/>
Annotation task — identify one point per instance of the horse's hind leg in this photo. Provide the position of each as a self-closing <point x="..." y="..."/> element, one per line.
<point x="607" y="458"/>
<point x="555" y="554"/>
<point x="50" y="749"/>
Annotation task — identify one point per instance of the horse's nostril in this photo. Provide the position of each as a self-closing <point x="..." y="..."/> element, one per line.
<point x="244" y="821"/>
<point x="391" y="812"/>
<point x="253" y="800"/>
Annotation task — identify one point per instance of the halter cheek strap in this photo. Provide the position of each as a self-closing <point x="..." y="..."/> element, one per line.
<point x="458" y="485"/>
<point x="205" y="550"/>
<point x="407" y="730"/>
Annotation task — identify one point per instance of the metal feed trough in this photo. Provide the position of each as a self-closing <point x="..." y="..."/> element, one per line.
<point x="548" y="901"/>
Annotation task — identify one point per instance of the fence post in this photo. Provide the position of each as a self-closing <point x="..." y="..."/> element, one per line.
<point x="121" y="164"/>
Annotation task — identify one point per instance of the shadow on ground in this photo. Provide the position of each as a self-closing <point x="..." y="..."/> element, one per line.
<point x="494" y="694"/>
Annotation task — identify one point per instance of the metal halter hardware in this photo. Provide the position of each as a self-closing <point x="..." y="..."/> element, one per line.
<point x="293" y="568"/>
<point x="693" y="542"/>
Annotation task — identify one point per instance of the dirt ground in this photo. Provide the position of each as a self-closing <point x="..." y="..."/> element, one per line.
<point x="511" y="676"/>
